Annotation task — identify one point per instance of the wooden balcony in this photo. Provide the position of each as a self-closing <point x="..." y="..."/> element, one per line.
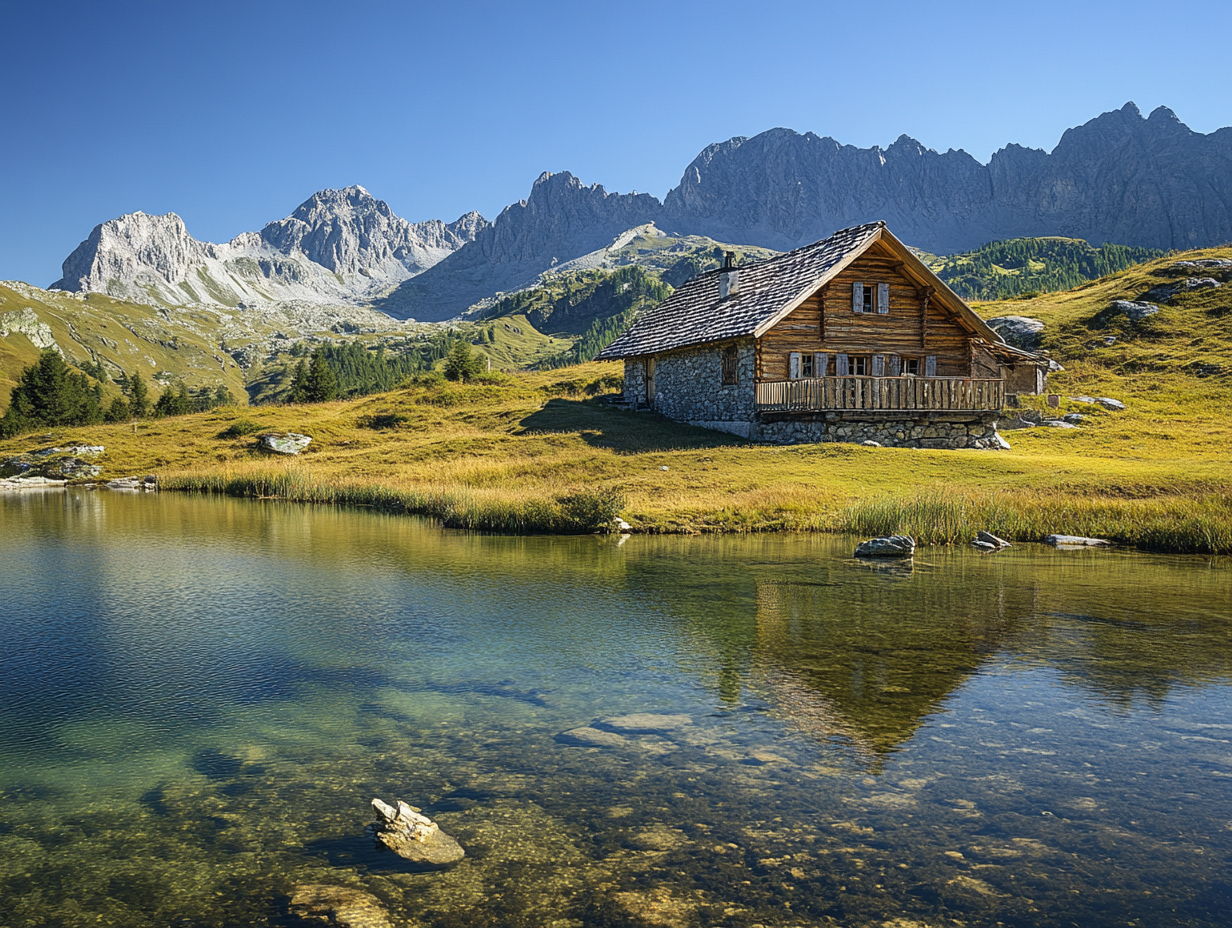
<point x="881" y="394"/>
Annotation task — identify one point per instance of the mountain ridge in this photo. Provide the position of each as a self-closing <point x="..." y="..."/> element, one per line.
<point x="338" y="246"/>
<point x="1119" y="178"/>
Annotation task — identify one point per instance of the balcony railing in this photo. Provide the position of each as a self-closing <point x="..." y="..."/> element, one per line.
<point x="818" y="394"/>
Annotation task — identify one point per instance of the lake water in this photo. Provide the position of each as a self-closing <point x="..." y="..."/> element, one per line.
<point x="199" y="697"/>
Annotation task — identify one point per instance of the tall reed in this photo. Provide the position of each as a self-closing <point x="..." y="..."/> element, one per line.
<point x="585" y="511"/>
<point x="1199" y="524"/>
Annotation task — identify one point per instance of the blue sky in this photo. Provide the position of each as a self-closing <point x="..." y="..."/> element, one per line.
<point x="231" y="114"/>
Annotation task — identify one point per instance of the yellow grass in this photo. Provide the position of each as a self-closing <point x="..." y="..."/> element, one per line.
<point x="522" y="445"/>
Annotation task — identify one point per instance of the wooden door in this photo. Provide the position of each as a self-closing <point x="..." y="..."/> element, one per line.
<point x="650" y="386"/>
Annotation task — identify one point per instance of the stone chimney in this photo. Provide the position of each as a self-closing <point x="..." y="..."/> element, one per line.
<point x="729" y="277"/>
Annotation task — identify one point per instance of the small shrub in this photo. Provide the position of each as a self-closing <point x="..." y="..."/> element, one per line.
<point x="382" y="420"/>
<point x="591" y="510"/>
<point x="239" y="428"/>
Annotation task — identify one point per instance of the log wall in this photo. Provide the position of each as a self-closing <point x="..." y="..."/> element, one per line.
<point x="825" y="322"/>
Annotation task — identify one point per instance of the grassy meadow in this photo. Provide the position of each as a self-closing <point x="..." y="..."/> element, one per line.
<point x="516" y="453"/>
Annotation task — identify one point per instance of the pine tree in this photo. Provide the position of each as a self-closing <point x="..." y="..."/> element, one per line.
<point x="299" y="384"/>
<point x="322" y="382"/>
<point x="49" y="393"/>
<point x="461" y="364"/>
<point x="138" y="396"/>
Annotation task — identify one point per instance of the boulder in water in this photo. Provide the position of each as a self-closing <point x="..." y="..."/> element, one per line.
<point x="1076" y="541"/>
<point x="413" y="836"/>
<point x="891" y="546"/>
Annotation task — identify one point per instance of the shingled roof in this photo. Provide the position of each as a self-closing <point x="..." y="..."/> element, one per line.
<point x="694" y="314"/>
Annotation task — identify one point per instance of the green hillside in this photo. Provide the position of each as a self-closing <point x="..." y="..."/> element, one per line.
<point x="1190" y="334"/>
<point x="1022" y="266"/>
<point x="186" y="346"/>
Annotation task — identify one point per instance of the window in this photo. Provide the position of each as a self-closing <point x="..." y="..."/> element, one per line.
<point x="870" y="297"/>
<point x="731" y="366"/>
<point x="857" y="365"/>
<point x="806" y="365"/>
<point x="911" y="367"/>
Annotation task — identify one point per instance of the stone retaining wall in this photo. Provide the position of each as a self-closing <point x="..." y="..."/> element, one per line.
<point x="901" y="433"/>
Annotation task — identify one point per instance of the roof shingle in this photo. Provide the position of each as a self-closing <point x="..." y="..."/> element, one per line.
<point x="694" y="314"/>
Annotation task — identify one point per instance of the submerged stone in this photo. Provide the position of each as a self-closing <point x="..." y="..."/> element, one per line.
<point x="342" y="906"/>
<point x="646" y="722"/>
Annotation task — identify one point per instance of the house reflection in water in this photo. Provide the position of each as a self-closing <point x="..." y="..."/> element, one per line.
<point x="867" y="665"/>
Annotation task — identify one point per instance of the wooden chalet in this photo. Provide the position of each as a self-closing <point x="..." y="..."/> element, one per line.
<point x="850" y="338"/>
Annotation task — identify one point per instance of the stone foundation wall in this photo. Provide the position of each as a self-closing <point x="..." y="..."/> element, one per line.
<point x="905" y="433"/>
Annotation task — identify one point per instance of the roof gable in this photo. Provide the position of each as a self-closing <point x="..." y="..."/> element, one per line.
<point x="694" y="314"/>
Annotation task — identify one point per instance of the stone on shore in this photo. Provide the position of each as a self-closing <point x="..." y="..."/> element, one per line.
<point x="148" y="482"/>
<point x="341" y="906"/>
<point x="892" y="546"/>
<point x="1075" y="541"/>
<point x="413" y="836"/>
<point x="283" y="442"/>
<point x="29" y="483"/>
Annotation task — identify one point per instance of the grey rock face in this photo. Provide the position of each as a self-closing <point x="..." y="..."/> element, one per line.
<point x="339" y="246"/>
<point x="561" y="220"/>
<point x="1165" y="292"/>
<point x="1019" y="331"/>
<point x="27" y="322"/>
<point x="892" y="546"/>
<point x="1134" y="310"/>
<point x="782" y="189"/>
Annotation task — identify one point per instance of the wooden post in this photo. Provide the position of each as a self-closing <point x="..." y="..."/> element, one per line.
<point x="928" y="292"/>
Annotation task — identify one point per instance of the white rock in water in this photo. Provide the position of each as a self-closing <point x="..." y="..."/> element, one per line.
<point x="412" y="835"/>
<point x="1075" y="541"/>
<point x="989" y="538"/>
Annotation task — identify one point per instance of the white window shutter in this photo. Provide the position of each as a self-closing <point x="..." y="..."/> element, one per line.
<point x="883" y="298"/>
<point x="879" y="365"/>
<point x="930" y="366"/>
<point x="896" y="365"/>
<point x="795" y="366"/>
<point x="820" y="360"/>
<point x="857" y="297"/>
<point x="840" y="365"/>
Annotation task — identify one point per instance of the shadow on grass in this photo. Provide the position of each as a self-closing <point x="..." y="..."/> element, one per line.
<point x="621" y="430"/>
